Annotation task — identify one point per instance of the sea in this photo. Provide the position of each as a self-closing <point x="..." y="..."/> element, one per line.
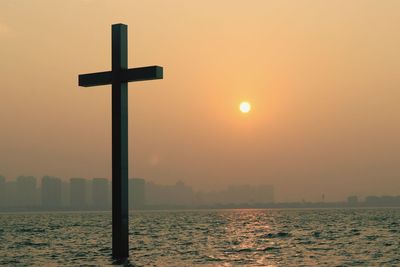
<point x="249" y="237"/>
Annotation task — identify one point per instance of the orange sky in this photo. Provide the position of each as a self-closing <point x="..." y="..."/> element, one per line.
<point x="322" y="76"/>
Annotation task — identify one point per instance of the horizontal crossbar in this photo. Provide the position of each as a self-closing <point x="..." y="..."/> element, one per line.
<point x="129" y="75"/>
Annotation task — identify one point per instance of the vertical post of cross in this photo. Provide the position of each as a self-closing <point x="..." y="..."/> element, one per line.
<point x="120" y="226"/>
<point x="118" y="77"/>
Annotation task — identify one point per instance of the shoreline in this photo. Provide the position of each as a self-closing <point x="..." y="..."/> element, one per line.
<point x="205" y="207"/>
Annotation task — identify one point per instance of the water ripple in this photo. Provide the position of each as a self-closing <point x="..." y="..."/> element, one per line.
<point x="212" y="238"/>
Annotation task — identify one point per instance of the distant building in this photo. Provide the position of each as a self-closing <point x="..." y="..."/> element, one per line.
<point x="372" y="200"/>
<point x="265" y="194"/>
<point x="352" y="200"/>
<point x="51" y="192"/>
<point x="389" y="200"/>
<point x="100" y="193"/>
<point x="11" y="194"/>
<point x="77" y="193"/>
<point x="136" y="193"/>
<point x="26" y="194"/>
<point x="382" y="200"/>
<point x="183" y="194"/>
<point x="238" y="195"/>
<point x="169" y="195"/>
<point x="65" y="192"/>
<point x="2" y="191"/>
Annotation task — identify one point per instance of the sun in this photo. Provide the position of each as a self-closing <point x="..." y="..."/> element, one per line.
<point x="245" y="107"/>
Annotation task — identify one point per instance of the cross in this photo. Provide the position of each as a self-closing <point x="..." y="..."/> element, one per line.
<point x="118" y="77"/>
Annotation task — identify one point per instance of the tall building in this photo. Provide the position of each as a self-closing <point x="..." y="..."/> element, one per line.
<point x="100" y="193"/>
<point x="51" y="192"/>
<point x="26" y="191"/>
<point x="136" y="193"/>
<point x="2" y="191"/>
<point x="11" y="194"/>
<point x="77" y="193"/>
<point x="65" y="202"/>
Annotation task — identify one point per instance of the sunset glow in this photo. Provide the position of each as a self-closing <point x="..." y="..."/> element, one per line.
<point x="301" y="95"/>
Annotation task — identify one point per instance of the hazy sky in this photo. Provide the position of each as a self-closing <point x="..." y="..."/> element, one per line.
<point x="323" y="78"/>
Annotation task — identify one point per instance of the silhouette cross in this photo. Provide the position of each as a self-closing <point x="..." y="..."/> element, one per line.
<point x="119" y="77"/>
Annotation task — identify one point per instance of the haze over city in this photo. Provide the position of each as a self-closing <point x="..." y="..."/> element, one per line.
<point x="322" y="79"/>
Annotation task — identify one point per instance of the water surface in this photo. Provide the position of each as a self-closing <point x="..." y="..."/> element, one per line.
<point x="326" y="237"/>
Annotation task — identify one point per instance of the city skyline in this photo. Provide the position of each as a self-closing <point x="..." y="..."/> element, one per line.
<point x="321" y="197"/>
<point x="321" y="80"/>
<point x="51" y="193"/>
<point x="26" y="193"/>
